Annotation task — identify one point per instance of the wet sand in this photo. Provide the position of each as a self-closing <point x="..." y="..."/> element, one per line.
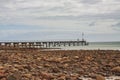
<point x="59" y="64"/>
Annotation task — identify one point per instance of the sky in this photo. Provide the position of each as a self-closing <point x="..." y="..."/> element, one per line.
<point x="99" y="20"/>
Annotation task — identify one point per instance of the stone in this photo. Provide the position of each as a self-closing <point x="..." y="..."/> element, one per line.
<point x="39" y="67"/>
<point x="62" y="78"/>
<point x="2" y="73"/>
<point x="55" y="70"/>
<point x="3" y="79"/>
<point x="100" y="77"/>
<point x="76" y="57"/>
<point x="47" y="65"/>
<point x="17" y="75"/>
<point x="58" y="60"/>
<point x="11" y="77"/>
<point x="79" y="78"/>
<point x="46" y="75"/>
<point x="65" y="65"/>
<point x="116" y="71"/>
<point x="1" y="67"/>
<point x="27" y="75"/>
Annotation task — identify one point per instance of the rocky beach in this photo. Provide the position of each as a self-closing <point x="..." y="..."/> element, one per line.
<point x="59" y="64"/>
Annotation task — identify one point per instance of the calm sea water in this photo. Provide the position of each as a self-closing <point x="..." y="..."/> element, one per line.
<point x="95" y="45"/>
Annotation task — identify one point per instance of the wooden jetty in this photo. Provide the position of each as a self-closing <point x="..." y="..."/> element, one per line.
<point x="41" y="44"/>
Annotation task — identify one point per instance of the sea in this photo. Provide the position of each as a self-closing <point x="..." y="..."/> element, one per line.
<point x="94" y="46"/>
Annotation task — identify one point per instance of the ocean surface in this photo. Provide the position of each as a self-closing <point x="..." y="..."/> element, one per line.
<point x="95" y="46"/>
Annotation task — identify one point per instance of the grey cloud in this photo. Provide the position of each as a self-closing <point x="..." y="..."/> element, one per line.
<point x="65" y="10"/>
<point x="72" y="15"/>
<point x="116" y="25"/>
<point x="90" y="1"/>
<point x="115" y="16"/>
<point x="116" y="29"/>
<point x="92" y="24"/>
<point x="4" y="1"/>
<point x="117" y="0"/>
<point x="57" y="9"/>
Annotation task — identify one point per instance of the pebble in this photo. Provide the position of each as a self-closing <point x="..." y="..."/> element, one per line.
<point x="100" y="77"/>
<point x="116" y="70"/>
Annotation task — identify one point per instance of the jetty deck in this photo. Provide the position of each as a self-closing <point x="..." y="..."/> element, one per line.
<point x="41" y="44"/>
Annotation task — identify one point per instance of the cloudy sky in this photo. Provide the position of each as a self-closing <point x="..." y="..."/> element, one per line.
<point x="60" y="19"/>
